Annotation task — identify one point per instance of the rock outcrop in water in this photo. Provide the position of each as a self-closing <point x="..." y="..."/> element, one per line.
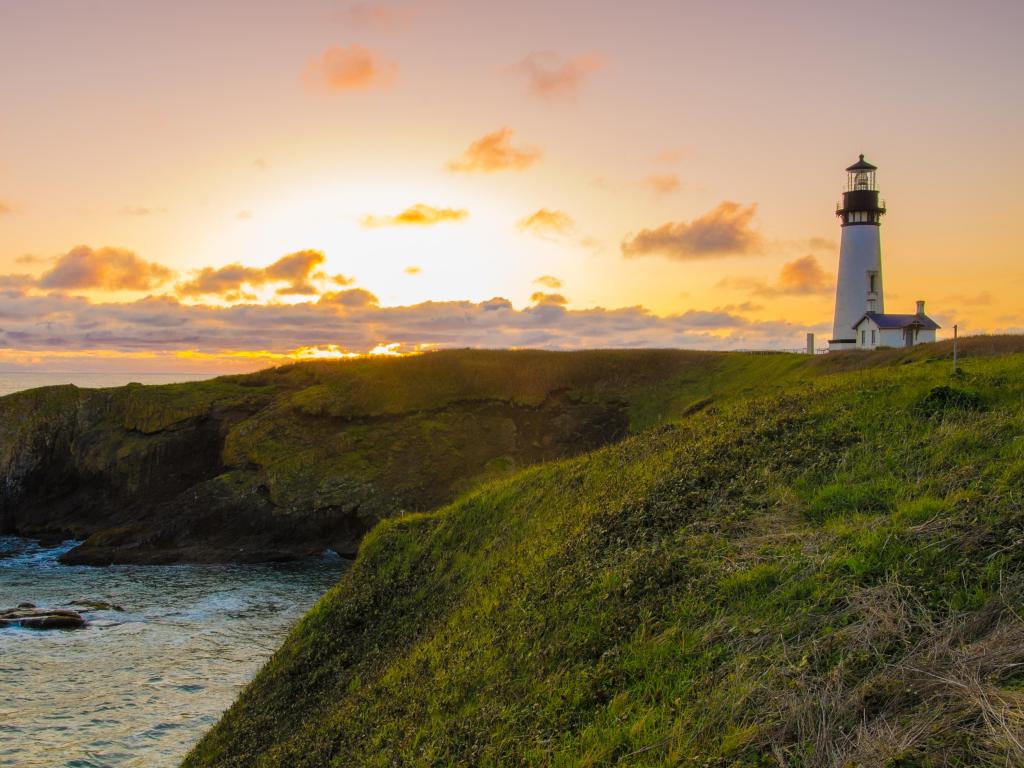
<point x="27" y="616"/>
<point x="284" y="463"/>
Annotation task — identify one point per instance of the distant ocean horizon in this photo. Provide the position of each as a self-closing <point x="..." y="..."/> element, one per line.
<point x="15" y="381"/>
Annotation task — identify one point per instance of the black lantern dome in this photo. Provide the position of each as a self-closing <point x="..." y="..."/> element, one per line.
<point x="860" y="203"/>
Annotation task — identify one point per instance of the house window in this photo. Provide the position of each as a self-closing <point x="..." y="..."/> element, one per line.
<point x="872" y="338"/>
<point x="863" y="338"/>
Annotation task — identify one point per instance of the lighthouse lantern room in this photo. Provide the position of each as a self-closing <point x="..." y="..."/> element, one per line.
<point x="860" y="321"/>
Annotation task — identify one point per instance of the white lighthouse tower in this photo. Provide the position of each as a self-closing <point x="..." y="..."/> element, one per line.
<point x="859" y="289"/>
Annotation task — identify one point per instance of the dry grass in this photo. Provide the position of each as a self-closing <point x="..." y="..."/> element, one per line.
<point x="952" y="678"/>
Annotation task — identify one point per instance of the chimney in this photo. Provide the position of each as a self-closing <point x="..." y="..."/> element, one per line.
<point x="920" y="307"/>
<point x="871" y="305"/>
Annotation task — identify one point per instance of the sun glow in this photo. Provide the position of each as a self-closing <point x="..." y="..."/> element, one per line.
<point x="334" y="352"/>
<point x="475" y="257"/>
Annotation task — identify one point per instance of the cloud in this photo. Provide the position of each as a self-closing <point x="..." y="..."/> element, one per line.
<point x="800" y="277"/>
<point x="19" y="283"/>
<point x="743" y="306"/>
<point x="353" y="320"/>
<point x="412" y="269"/>
<point x="243" y="215"/>
<point x="822" y="244"/>
<point x="982" y="299"/>
<point x="348" y="69"/>
<point x="138" y="210"/>
<point x="494" y="152"/>
<point x="663" y="184"/>
<point x="552" y="76"/>
<point x="355" y="297"/>
<point x="669" y="156"/>
<point x="231" y="281"/>
<point x="546" y="223"/>
<point x="724" y="231"/>
<point x="31" y="258"/>
<point x="295" y="269"/>
<point x="419" y="215"/>
<point x="379" y="15"/>
<point x="549" y="281"/>
<point x="549" y="299"/>
<point x="112" y="269"/>
<point x="5" y="208"/>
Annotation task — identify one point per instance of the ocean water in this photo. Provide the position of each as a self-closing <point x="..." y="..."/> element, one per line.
<point x="14" y="381"/>
<point x="138" y="687"/>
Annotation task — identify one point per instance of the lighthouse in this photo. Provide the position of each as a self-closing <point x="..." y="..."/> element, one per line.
<point x="859" y="288"/>
<point x="861" y="321"/>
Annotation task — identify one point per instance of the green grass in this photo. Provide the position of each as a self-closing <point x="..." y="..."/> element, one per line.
<point x="808" y="570"/>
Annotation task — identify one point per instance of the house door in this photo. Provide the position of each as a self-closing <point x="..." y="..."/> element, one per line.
<point x="908" y="337"/>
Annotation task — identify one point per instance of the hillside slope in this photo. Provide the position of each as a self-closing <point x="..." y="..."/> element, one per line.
<point x="826" y="576"/>
<point x="286" y="462"/>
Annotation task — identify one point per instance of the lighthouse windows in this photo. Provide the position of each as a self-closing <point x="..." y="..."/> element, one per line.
<point x="862" y="217"/>
<point x="872" y="282"/>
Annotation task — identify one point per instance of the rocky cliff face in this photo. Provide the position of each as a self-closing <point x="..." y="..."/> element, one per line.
<point x="113" y="465"/>
<point x="287" y="463"/>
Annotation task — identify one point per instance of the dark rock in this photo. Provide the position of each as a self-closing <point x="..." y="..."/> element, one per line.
<point x="42" y="618"/>
<point x="53" y="621"/>
<point x="26" y="605"/>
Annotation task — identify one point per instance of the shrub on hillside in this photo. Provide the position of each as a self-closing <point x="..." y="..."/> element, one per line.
<point x="945" y="399"/>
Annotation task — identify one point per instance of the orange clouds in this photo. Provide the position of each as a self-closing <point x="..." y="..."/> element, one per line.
<point x="412" y="270"/>
<point x="663" y="184"/>
<point x="4" y="208"/>
<point x="804" y="275"/>
<point x="348" y="69"/>
<point x="549" y="299"/>
<point x="353" y="298"/>
<point x="800" y="277"/>
<point x="552" y="76"/>
<point x="547" y="223"/>
<point x="419" y="215"/>
<point x="112" y="269"/>
<point x="494" y="152"/>
<point x="721" y="232"/>
<point x="231" y="281"/>
<point x="548" y="281"/>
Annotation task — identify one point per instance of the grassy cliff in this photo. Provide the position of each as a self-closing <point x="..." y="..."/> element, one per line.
<point x="288" y="461"/>
<point x="828" y="573"/>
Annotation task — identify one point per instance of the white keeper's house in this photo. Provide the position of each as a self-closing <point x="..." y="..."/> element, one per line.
<point x="860" y="318"/>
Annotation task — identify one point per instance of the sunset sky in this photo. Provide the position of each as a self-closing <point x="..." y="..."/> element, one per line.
<point x="215" y="186"/>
